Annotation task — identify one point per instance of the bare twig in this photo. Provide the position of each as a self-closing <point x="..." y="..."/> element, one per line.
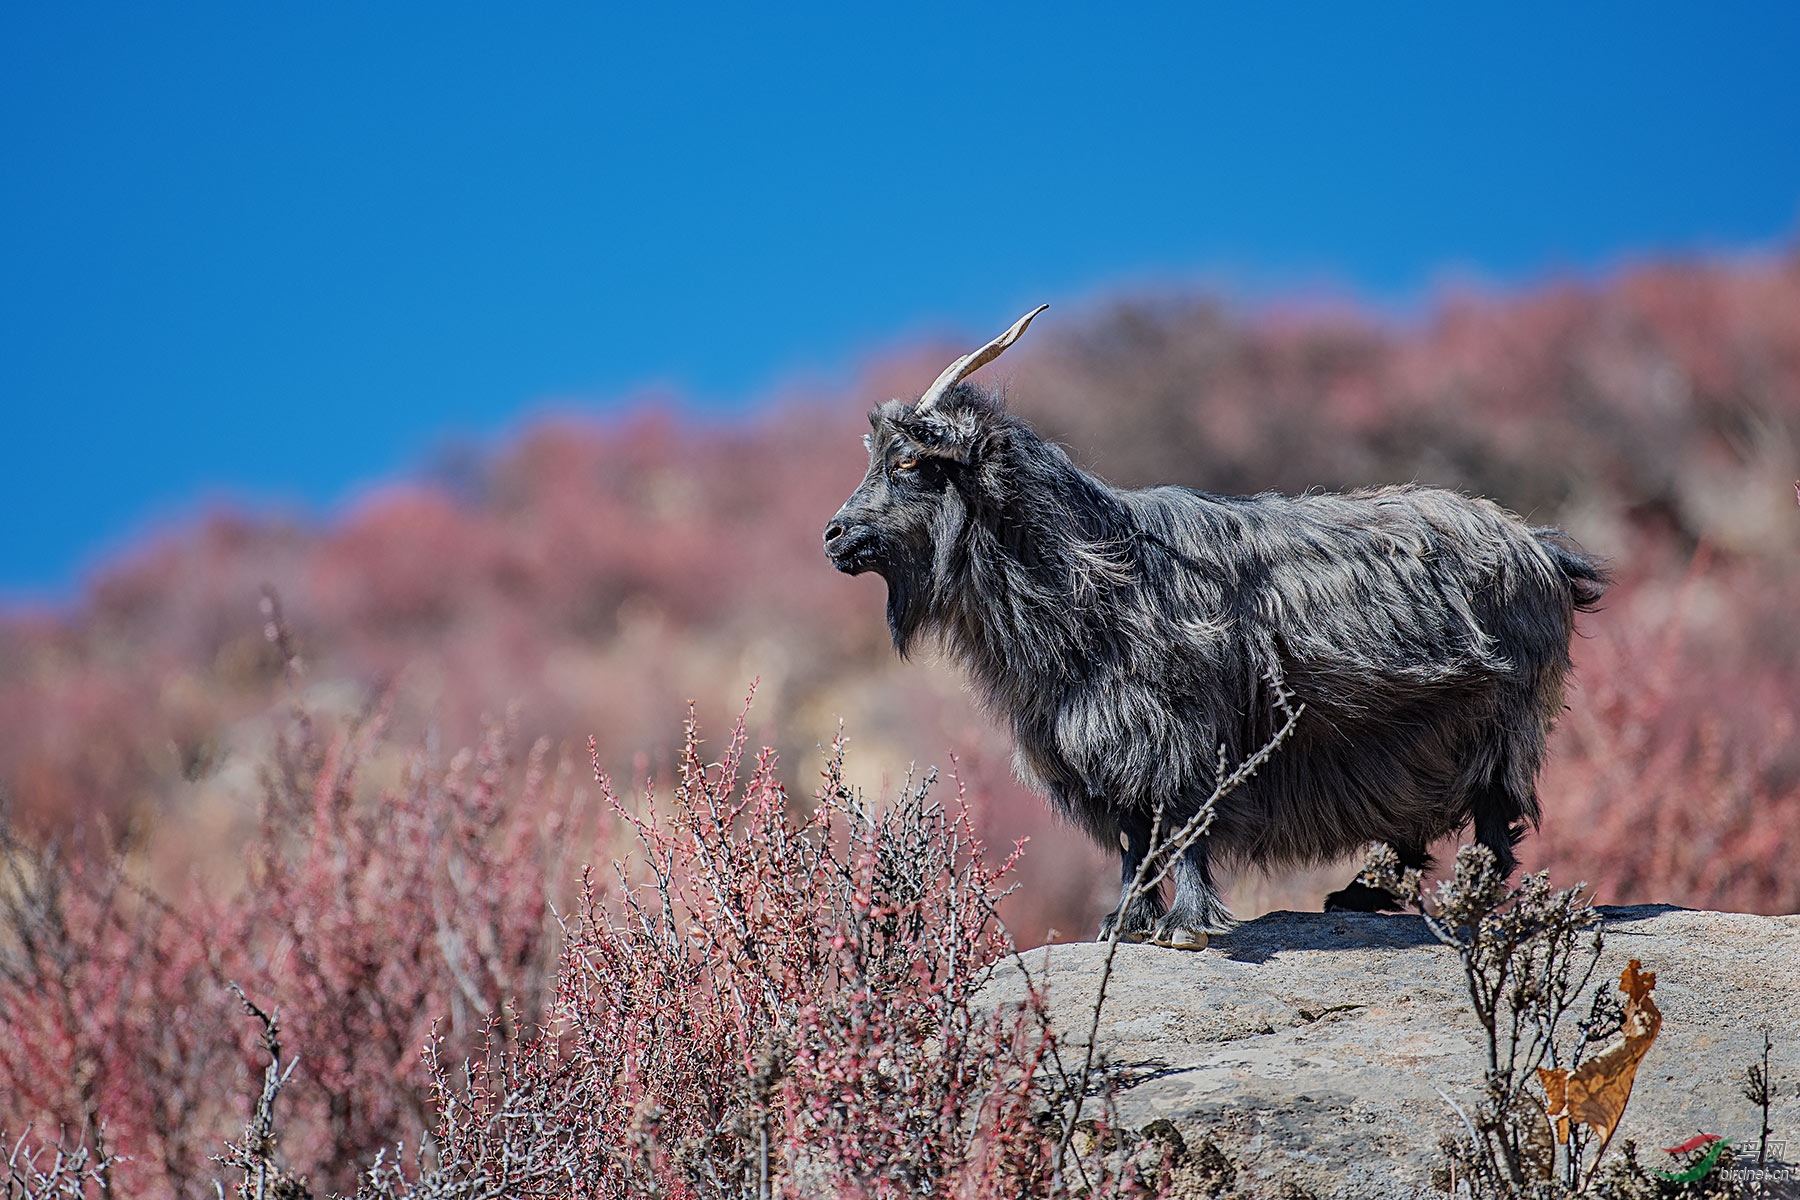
<point x="255" y="1154"/>
<point x="55" y="1171"/>
<point x="1155" y="866"/>
<point x="1525" y="963"/>
<point x="1757" y="1091"/>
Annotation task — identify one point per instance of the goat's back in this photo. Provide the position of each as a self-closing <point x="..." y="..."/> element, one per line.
<point x="1412" y="586"/>
<point x="1427" y="632"/>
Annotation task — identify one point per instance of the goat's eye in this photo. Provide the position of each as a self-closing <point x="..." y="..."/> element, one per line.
<point x="905" y="464"/>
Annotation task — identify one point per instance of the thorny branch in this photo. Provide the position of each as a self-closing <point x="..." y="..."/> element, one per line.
<point x="1527" y="954"/>
<point x="1154" y="868"/>
<point x="255" y="1154"/>
<point x="55" y="1172"/>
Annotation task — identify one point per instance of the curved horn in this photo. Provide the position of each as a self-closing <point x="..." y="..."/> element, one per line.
<point x="968" y="364"/>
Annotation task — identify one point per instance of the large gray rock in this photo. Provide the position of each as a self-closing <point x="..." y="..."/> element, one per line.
<point x="1310" y="1047"/>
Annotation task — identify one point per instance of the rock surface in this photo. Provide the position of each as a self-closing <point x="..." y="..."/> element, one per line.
<point x="1310" y="1047"/>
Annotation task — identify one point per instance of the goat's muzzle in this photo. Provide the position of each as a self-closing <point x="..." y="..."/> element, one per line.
<point x="849" y="545"/>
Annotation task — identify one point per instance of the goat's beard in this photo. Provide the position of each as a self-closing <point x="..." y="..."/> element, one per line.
<point x="908" y="602"/>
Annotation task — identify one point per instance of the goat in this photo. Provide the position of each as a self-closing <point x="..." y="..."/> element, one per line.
<point x="1127" y="635"/>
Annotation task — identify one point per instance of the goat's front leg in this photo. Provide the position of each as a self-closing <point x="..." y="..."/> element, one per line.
<point x="1198" y="910"/>
<point x="1136" y="917"/>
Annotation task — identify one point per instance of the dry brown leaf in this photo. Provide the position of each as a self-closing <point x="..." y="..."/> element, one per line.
<point x="1596" y="1093"/>
<point x="1598" y="1090"/>
<point x="1642" y="1017"/>
<point x="1556" y="1099"/>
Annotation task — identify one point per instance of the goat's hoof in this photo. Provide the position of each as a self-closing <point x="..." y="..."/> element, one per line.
<point x="1134" y="936"/>
<point x="1360" y="897"/>
<point x="1181" y="939"/>
<point x="1136" y="923"/>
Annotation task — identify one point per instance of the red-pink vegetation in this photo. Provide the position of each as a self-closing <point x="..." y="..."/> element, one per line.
<point x="1679" y="770"/>
<point x="767" y="1003"/>
<point x="759" y="999"/>
<point x="365" y="915"/>
<point x="369" y="923"/>
<point x="113" y="1032"/>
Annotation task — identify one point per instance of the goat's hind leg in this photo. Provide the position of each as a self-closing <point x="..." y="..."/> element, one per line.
<point x="1501" y="818"/>
<point x="1137" y="916"/>
<point x="1357" y="896"/>
<point x="1198" y="910"/>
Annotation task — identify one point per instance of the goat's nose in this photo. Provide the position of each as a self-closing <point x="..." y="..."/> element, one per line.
<point x="834" y="531"/>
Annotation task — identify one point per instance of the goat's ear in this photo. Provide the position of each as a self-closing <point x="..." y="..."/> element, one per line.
<point x="955" y="434"/>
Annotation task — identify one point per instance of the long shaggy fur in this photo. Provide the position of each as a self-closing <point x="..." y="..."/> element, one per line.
<point x="1126" y="635"/>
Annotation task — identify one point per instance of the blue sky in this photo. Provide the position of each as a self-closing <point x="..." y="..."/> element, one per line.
<point x="275" y="253"/>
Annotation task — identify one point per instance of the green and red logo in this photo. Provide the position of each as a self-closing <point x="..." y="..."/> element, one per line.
<point x="1701" y="1167"/>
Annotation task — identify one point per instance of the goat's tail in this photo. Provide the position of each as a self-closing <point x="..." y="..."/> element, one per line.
<point x="1586" y="575"/>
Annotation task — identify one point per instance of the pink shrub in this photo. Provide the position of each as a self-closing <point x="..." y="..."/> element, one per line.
<point x="770" y="1004"/>
<point x="368" y="917"/>
<point x="1678" y="772"/>
<point x="368" y="924"/>
<point x="766" y="997"/>
<point x="115" y="1036"/>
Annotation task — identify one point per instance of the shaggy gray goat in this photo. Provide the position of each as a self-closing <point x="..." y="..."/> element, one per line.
<point x="1127" y="635"/>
